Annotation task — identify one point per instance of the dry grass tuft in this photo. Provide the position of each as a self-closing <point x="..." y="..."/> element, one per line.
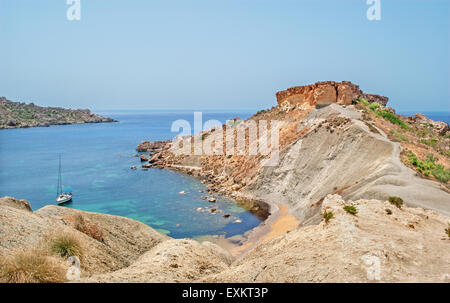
<point x="90" y="229"/>
<point x="66" y="245"/>
<point x="31" y="266"/>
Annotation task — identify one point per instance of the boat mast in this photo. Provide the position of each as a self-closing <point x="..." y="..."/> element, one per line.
<point x="59" y="178"/>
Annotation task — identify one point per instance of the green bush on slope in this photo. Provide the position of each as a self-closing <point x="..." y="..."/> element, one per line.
<point x="430" y="166"/>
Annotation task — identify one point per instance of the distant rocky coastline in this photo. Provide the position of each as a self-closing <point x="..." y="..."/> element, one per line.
<point x="22" y="115"/>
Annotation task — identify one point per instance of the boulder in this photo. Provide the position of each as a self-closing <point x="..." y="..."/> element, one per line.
<point x="15" y="203"/>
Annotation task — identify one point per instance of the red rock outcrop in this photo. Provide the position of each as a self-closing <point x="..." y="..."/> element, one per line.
<point x="324" y="93"/>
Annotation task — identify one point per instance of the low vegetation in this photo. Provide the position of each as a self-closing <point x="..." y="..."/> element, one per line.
<point x="429" y="166"/>
<point x="430" y="142"/>
<point x="391" y="117"/>
<point x="351" y="209"/>
<point x="66" y="245"/>
<point x="447" y="230"/>
<point x="401" y="137"/>
<point x="31" y="266"/>
<point x="420" y="138"/>
<point x="414" y="134"/>
<point x="380" y="112"/>
<point x="327" y="216"/>
<point x="397" y="201"/>
<point x="388" y="211"/>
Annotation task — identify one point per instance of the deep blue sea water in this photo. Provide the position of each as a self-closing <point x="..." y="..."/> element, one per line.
<point x="96" y="161"/>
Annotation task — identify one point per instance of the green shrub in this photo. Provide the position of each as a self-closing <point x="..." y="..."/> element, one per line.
<point x="327" y="216"/>
<point x="397" y="201"/>
<point x="441" y="174"/>
<point x="362" y="101"/>
<point x="447" y="230"/>
<point x="66" y="245"/>
<point x="351" y="209"/>
<point x="388" y="211"/>
<point x="430" y="166"/>
<point x="374" y="106"/>
<point x="392" y="118"/>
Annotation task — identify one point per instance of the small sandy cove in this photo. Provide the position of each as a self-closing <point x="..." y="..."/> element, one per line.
<point x="278" y="223"/>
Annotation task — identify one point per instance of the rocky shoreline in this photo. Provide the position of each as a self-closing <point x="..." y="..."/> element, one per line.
<point x="22" y="115"/>
<point x="153" y="154"/>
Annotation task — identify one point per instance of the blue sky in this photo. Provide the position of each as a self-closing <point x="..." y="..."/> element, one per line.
<point x="220" y="54"/>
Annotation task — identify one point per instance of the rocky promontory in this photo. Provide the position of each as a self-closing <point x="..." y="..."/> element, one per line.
<point x="325" y="93"/>
<point x="22" y="115"/>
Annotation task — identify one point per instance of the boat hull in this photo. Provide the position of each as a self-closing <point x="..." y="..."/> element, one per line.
<point x="64" y="199"/>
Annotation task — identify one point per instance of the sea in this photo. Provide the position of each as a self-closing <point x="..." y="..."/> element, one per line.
<point x="96" y="167"/>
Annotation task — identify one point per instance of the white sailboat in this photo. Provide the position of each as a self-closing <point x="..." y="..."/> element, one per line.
<point x="62" y="197"/>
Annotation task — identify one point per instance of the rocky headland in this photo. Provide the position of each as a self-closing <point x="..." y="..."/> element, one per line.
<point x="360" y="194"/>
<point x="22" y="115"/>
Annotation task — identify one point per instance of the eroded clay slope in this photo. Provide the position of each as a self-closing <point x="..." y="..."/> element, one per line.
<point x="342" y="154"/>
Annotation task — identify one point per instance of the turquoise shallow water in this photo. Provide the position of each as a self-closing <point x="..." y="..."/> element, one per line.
<point x="96" y="161"/>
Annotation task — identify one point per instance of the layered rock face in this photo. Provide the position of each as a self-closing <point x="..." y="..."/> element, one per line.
<point x="342" y="153"/>
<point x="324" y="93"/>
